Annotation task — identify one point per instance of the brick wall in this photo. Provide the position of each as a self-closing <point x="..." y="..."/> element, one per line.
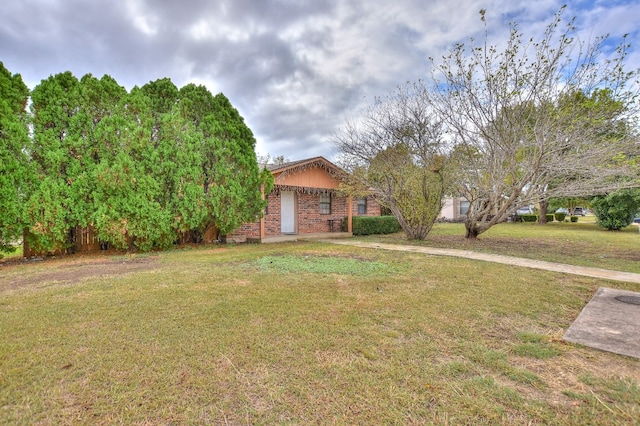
<point x="271" y="222"/>
<point x="309" y="219"/>
<point x="272" y="218"/>
<point x="246" y="231"/>
<point x="373" y="207"/>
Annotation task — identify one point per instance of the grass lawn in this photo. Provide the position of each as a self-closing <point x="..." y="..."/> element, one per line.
<point x="582" y="243"/>
<point x="307" y="333"/>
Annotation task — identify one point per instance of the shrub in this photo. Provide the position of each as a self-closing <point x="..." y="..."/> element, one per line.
<point x="560" y="216"/>
<point x="369" y="225"/>
<point x="616" y="210"/>
<point x="550" y="217"/>
<point x="529" y="217"/>
<point x="574" y="218"/>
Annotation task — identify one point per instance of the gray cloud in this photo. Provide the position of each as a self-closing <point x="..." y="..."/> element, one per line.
<point x="294" y="69"/>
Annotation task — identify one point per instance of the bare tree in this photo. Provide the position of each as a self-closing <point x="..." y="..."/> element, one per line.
<point x="536" y="120"/>
<point x="395" y="151"/>
<point x="279" y="160"/>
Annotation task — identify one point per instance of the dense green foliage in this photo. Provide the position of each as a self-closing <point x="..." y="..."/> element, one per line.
<point x="560" y="216"/>
<point x="616" y="210"/>
<point x="528" y="217"/>
<point x="144" y="168"/>
<point x="413" y="190"/>
<point x="372" y="225"/>
<point x="15" y="173"/>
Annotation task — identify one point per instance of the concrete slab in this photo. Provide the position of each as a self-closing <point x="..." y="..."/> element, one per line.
<point x="610" y="322"/>
<point x="305" y="237"/>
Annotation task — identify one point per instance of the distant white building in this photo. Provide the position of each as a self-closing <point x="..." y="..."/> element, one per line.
<point x="454" y="209"/>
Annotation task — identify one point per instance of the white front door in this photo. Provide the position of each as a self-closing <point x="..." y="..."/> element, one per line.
<point x="287" y="212"/>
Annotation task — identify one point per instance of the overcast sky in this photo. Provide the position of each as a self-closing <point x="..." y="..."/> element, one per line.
<point x="294" y="69"/>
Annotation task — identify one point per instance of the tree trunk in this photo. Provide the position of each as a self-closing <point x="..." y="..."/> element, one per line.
<point x="542" y="220"/>
<point x="471" y="232"/>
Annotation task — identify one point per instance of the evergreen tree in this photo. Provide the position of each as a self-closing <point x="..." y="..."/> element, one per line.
<point x="55" y="160"/>
<point x="231" y="179"/>
<point x="127" y="212"/>
<point x="98" y="100"/>
<point x="141" y="168"/>
<point x="177" y="162"/>
<point x="14" y="168"/>
<point x="234" y="195"/>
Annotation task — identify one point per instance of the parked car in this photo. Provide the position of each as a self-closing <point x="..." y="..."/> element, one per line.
<point x="524" y="210"/>
<point x="579" y="211"/>
<point x="562" y="210"/>
<point x="636" y="219"/>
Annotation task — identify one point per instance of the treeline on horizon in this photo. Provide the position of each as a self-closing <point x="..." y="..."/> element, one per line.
<point x="140" y="167"/>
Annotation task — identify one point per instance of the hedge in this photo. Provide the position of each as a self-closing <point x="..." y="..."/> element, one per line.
<point x="560" y="216"/>
<point x="574" y="218"/>
<point x="529" y="217"/>
<point x="369" y="225"/>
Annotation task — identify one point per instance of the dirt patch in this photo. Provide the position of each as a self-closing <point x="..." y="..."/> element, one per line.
<point x="69" y="271"/>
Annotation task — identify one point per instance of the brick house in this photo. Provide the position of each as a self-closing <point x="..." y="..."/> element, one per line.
<point x="305" y="201"/>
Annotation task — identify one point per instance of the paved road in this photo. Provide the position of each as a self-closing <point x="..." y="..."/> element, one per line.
<point x="497" y="258"/>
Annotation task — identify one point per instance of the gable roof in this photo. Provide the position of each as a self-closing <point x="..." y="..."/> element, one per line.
<point x="302" y="175"/>
<point x="301" y="165"/>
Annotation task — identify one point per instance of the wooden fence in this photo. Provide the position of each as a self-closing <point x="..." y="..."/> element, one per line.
<point x="79" y="240"/>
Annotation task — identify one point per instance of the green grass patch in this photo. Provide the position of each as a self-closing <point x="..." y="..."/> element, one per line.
<point x="535" y="350"/>
<point x="535" y="346"/>
<point x="323" y="265"/>
<point x="526" y="377"/>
